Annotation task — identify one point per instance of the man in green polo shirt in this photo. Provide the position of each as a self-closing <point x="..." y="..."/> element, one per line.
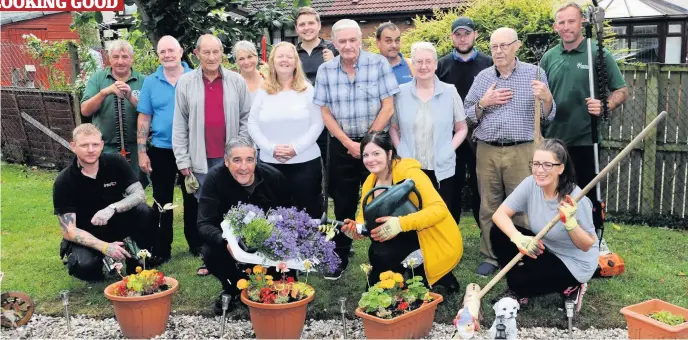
<point x="566" y="66"/>
<point x="111" y="97"/>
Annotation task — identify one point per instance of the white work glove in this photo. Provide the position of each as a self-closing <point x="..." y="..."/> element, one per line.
<point x="103" y="216"/>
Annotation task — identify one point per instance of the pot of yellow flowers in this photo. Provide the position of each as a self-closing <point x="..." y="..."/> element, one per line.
<point x="142" y="301"/>
<point x="277" y="308"/>
<point x="395" y="308"/>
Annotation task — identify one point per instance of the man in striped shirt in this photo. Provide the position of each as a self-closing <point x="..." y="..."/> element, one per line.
<point x="355" y="92"/>
<point x="501" y="102"/>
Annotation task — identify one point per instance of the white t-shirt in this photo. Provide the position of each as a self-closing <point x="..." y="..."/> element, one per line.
<point x="528" y="197"/>
<point x="287" y="117"/>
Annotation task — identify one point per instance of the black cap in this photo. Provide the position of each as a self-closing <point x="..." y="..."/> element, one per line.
<point x="463" y="22"/>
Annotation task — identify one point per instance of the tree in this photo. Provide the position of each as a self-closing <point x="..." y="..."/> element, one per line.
<point x="186" y="20"/>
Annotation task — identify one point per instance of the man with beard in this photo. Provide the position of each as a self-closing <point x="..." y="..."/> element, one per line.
<point x="460" y="67"/>
<point x="567" y="68"/>
<point x="388" y="41"/>
<point x="110" y="98"/>
<point x="99" y="202"/>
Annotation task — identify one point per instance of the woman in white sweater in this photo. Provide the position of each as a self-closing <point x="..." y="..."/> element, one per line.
<point x="285" y="125"/>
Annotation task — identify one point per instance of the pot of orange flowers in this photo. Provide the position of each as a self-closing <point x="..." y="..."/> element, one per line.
<point x="142" y="301"/>
<point x="277" y="308"/>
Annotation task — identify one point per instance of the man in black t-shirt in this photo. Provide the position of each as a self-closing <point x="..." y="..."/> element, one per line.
<point x="313" y="51"/>
<point x="99" y="202"/>
<point x="460" y="68"/>
<point x="239" y="179"/>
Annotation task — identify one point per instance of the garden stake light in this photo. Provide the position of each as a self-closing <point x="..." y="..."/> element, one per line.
<point x="225" y="305"/>
<point x="569" y="314"/>
<point x="342" y="309"/>
<point x="472" y="300"/>
<point x="65" y="302"/>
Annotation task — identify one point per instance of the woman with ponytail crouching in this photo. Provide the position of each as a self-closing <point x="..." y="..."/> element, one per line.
<point x="567" y="256"/>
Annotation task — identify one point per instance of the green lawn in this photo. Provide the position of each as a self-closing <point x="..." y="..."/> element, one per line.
<point x="656" y="259"/>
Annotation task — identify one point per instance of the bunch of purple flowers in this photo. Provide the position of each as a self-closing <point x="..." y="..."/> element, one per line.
<point x="294" y="235"/>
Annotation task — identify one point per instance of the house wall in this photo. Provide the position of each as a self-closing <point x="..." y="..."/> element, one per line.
<point x="52" y="27"/>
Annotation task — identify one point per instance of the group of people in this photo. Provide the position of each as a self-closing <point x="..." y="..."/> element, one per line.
<point x="360" y="120"/>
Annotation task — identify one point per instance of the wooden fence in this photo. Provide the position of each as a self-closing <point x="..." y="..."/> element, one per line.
<point x="654" y="180"/>
<point x="24" y="143"/>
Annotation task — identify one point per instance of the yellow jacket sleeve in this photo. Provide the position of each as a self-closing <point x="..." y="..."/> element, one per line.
<point x="434" y="209"/>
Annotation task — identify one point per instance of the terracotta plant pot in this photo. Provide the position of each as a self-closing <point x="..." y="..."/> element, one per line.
<point x="641" y="326"/>
<point x="412" y="325"/>
<point x="142" y="316"/>
<point x="277" y="321"/>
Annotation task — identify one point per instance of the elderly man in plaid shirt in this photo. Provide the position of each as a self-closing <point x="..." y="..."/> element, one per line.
<point x="501" y="101"/>
<point x="355" y="92"/>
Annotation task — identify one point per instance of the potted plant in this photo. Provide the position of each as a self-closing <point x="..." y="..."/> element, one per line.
<point x="397" y="309"/>
<point x="282" y="234"/>
<point x="277" y="308"/>
<point x="142" y="301"/>
<point x="656" y="319"/>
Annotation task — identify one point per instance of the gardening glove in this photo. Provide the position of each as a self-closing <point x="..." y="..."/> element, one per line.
<point x="388" y="230"/>
<point x="103" y="216"/>
<point x="349" y="229"/>
<point x="567" y="213"/>
<point x="527" y="245"/>
<point x="191" y="183"/>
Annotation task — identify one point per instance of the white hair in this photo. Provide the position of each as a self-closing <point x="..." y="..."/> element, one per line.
<point x="175" y="42"/>
<point x="198" y="42"/>
<point x="345" y="24"/>
<point x="120" y="45"/>
<point x="423" y="46"/>
<point x="244" y="46"/>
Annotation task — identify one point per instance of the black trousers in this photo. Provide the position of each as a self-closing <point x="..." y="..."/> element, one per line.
<point x="465" y="164"/>
<point x="164" y="177"/>
<point x="222" y="265"/>
<point x="583" y="158"/>
<point x="346" y="174"/>
<point x="305" y="184"/>
<point x="543" y="275"/>
<point x="322" y="144"/>
<point x="444" y="187"/>
<point x="86" y="263"/>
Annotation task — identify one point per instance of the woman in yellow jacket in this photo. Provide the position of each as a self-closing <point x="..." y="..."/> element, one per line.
<point x="432" y="229"/>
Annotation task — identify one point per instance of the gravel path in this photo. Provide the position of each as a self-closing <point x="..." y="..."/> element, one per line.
<point x="194" y="327"/>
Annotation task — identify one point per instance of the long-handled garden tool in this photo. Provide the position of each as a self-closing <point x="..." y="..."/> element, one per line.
<point x="474" y="293"/>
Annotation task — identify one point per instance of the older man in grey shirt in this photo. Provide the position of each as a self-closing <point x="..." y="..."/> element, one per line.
<point x="211" y="106"/>
<point x="501" y="102"/>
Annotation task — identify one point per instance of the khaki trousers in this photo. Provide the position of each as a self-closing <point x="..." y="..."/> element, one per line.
<point x="500" y="169"/>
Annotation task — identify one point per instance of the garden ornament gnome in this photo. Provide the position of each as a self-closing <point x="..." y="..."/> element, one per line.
<point x="466" y="325"/>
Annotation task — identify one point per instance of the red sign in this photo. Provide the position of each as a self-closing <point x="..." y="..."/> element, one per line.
<point x="62" y="5"/>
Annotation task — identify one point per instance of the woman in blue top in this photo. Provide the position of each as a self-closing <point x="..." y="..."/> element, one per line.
<point x="429" y="122"/>
<point x="568" y="254"/>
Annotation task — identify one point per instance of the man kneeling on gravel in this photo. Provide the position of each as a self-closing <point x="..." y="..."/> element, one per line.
<point x="239" y="179"/>
<point x="99" y="202"/>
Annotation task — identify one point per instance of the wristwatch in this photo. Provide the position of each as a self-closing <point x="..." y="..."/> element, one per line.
<point x="480" y="107"/>
<point x="113" y="207"/>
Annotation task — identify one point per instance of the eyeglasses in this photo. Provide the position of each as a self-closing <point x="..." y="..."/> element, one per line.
<point x="427" y="62"/>
<point x="547" y="166"/>
<point x="494" y="48"/>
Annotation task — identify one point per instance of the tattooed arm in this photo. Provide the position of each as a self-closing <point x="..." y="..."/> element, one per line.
<point x="133" y="196"/>
<point x="71" y="233"/>
<point x="143" y="126"/>
<point x="617" y="98"/>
